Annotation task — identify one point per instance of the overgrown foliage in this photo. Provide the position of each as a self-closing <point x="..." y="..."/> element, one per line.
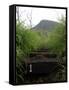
<point x="28" y="40"/>
<point x="56" y="40"/>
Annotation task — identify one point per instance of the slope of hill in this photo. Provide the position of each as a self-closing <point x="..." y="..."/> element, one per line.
<point x="45" y="25"/>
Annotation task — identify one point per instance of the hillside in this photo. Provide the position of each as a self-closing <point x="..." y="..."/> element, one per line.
<point x="45" y="25"/>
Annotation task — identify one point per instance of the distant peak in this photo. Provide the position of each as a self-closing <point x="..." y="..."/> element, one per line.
<point x="46" y="25"/>
<point x="47" y="21"/>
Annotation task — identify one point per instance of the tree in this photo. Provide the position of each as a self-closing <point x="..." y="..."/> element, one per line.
<point x="17" y="13"/>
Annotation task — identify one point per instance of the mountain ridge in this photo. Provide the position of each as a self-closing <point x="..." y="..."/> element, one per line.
<point x="45" y="25"/>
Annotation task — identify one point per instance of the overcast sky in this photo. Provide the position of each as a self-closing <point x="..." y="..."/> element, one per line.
<point x="39" y="14"/>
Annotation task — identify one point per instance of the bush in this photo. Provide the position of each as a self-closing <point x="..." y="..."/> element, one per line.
<point x="27" y="40"/>
<point x="57" y="38"/>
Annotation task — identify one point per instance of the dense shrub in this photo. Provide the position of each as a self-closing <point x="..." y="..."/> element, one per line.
<point x="56" y="40"/>
<point x="27" y="40"/>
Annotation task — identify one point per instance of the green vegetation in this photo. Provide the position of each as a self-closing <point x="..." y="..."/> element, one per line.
<point x="56" y="42"/>
<point x="28" y="40"/>
<point x="57" y="38"/>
